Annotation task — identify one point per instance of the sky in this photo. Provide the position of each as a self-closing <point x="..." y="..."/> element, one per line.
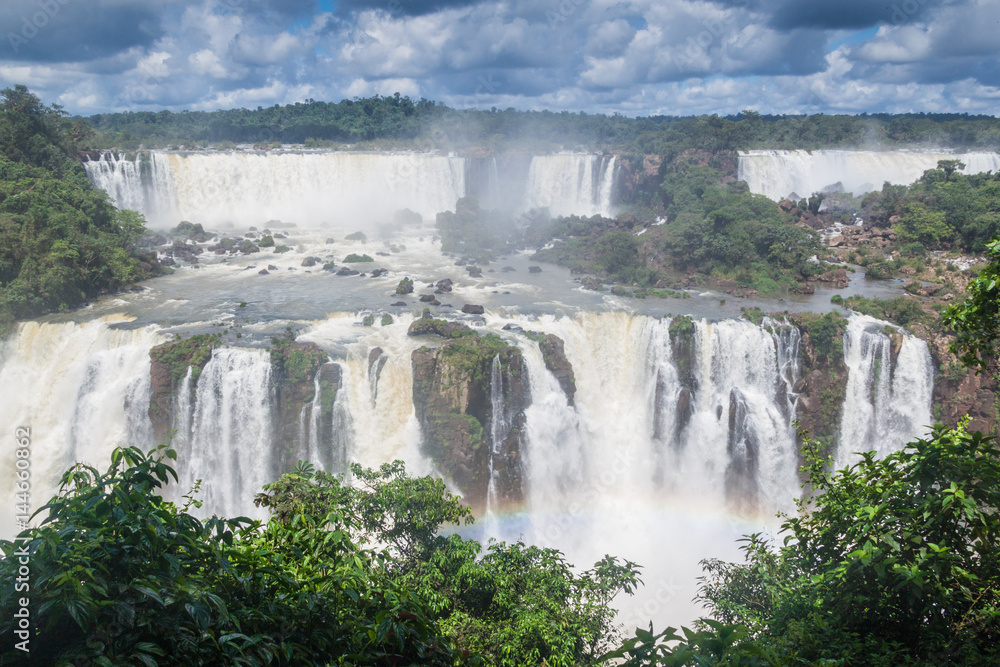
<point x="636" y="58"/>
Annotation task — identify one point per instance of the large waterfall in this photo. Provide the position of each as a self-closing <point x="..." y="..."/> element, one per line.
<point x="341" y="189"/>
<point x="777" y="174"/>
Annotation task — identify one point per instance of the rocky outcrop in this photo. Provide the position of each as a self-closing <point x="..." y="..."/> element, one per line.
<point x="293" y="374"/>
<point x="958" y="390"/>
<point x="554" y="355"/>
<point x="453" y="392"/>
<point x="168" y="366"/>
<point x="823" y="381"/>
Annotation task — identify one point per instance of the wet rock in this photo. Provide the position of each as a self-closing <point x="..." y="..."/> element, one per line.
<point x="399" y="303"/>
<point x="426" y="298"/>
<point x="272" y="267"/>
<point x="444" y="285"/>
<point x="452" y="392"/>
<point x="378" y="273"/>
<point x="263" y="272"/>
<point x="310" y="261"/>
<point x="512" y="327"/>
<point x="534" y="269"/>
<point x="347" y="272"/>
<point x="508" y="269"/>
<point x="473" y="309"/>
<point x="474" y="271"/>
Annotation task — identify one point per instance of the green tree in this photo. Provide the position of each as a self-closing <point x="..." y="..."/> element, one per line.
<point x="976" y="321"/>
<point x="121" y="576"/>
<point x="890" y="561"/>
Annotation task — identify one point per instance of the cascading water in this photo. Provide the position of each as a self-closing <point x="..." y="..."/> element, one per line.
<point x="777" y="174"/>
<point x="886" y="404"/>
<point x="82" y="389"/>
<point x="678" y="432"/>
<point x="499" y="428"/>
<point x="336" y="189"/>
<point x="571" y="184"/>
<point x="231" y="442"/>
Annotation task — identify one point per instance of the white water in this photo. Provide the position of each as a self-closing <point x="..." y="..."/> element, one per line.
<point x="229" y="443"/>
<point x="337" y="190"/>
<point x="622" y="470"/>
<point x="82" y="389"/>
<point x="777" y="174"/>
<point x="571" y="184"/>
<point x="886" y="405"/>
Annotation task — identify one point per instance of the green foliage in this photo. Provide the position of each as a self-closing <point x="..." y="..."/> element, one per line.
<point x="880" y="271"/>
<point x="902" y="310"/>
<point x="889" y="562"/>
<point x="976" y="321"/>
<point x="682" y="325"/>
<point x="405" y="286"/>
<point x="354" y="259"/>
<point x="471" y="231"/>
<point x="357" y="236"/>
<point x="180" y="355"/>
<point x="279" y="249"/>
<point x="923" y="225"/>
<point x="266" y="242"/>
<point x="718" y="645"/>
<point x="295" y="363"/>
<point x="617" y="252"/>
<point x="826" y="334"/>
<point x="943" y="209"/>
<point x="122" y="576"/>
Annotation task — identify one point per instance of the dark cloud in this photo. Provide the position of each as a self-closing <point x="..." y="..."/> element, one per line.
<point x="846" y="14"/>
<point x="73" y="32"/>
<point x="402" y="7"/>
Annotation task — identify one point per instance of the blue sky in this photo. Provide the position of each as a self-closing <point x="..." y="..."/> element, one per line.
<point x="637" y="58"/>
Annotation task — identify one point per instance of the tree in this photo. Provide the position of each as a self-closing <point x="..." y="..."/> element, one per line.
<point x="121" y="576"/>
<point x="890" y="561"/>
<point x="976" y="321"/>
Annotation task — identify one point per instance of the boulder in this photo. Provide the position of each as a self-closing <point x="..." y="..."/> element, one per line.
<point x="473" y="309"/>
<point x="534" y="269"/>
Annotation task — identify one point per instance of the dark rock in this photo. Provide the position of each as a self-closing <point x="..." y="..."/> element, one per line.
<point x="246" y="247"/>
<point x="508" y="269"/>
<point x="347" y="272"/>
<point x="263" y="272"/>
<point x="377" y="273"/>
<point x="474" y="271"/>
<point x="444" y="285"/>
<point x="272" y="267"/>
<point x="399" y="303"/>
<point x="310" y="261"/>
<point x="382" y="253"/>
<point x="426" y="298"/>
<point x="451" y="398"/>
<point x="473" y="309"/>
<point x="513" y="327"/>
<point x="534" y="269"/>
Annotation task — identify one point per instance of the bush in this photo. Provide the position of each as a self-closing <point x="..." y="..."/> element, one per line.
<point x="354" y="259"/>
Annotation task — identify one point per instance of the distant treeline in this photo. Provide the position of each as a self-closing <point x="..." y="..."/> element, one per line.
<point x="398" y="121"/>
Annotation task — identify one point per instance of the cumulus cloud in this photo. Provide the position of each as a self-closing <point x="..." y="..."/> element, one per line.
<point x="630" y="56"/>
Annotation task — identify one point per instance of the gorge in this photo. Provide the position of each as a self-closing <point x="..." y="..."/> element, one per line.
<point x="660" y="431"/>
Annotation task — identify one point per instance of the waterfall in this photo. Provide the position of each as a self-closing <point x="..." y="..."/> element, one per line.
<point x="82" y="389"/>
<point x="499" y="428"/>
<point x="777" y="174"/>
<point x="231" y="441"/>
<point x="323" y="188"/>
<point x="886" y="404"/>
<point x="571" y="184"/>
